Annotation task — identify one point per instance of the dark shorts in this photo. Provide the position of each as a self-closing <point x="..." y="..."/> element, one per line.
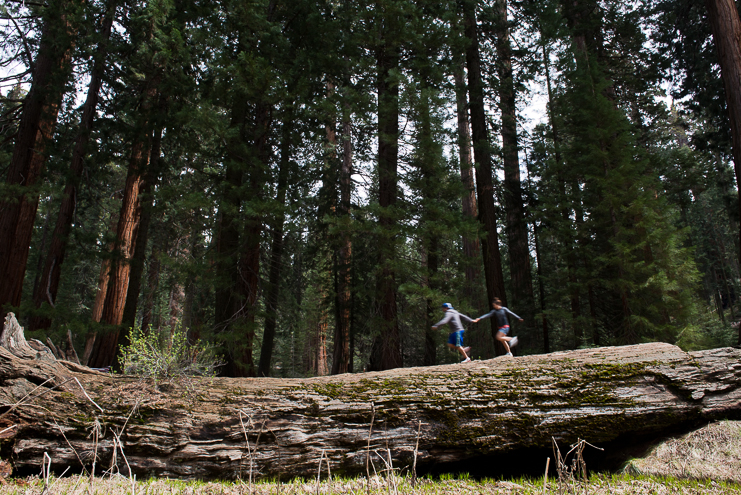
<point x="504" y="329"/>
<point x="456" y="338"/>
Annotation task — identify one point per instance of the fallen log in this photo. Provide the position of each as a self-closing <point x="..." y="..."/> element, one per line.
<point x="268" y="427"/>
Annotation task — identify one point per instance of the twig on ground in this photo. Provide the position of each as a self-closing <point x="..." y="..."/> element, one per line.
<point x="131" y="475"/>
<point x="8" y="428"/>
<point x="45" y="471"/>
<point x="70" y="446"/>
<point x="367" y="454"/>
<point x="392" y="476"/>
<point x="416" y="450"/>
<point x="96" y="431"/>
<point x="88" y="397"/>
<point x="319" y="472"/>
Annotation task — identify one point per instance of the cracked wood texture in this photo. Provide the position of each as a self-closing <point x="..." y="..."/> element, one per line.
<point x="201" y="428"/>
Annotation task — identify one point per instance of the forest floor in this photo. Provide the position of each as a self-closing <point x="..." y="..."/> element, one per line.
<point x="706" y="461"/>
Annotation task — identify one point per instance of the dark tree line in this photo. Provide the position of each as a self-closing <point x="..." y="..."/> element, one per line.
<point x="304" y="183"/>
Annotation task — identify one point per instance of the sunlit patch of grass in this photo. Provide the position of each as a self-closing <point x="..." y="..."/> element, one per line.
<point x="598" y="484"/>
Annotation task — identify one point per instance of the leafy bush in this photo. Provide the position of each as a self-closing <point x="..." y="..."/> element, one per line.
<point x="167" y="354"/>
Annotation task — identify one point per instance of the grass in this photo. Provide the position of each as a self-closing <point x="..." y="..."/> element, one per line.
<point x="712" y="452"/>
<point x="622" y="484"/>
<point x="705" y="461"/>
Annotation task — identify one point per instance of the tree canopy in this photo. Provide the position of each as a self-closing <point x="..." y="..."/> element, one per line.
<point x="303" y="184"/>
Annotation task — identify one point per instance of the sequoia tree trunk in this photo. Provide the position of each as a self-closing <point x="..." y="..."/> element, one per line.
<point x="106" y="343"/>
<point x="51" y="273"/>
<point x="151" y="178"/>
<point x="726" y="27"/>
<point x="38" y="120"/>
<point x="611" y="397"/>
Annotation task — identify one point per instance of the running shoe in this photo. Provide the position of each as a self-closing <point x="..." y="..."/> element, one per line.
<point x="467" y="360"/>
<point x="513" y="342"/>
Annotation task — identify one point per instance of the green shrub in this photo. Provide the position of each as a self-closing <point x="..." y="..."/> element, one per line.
<point x="167" y="354"/>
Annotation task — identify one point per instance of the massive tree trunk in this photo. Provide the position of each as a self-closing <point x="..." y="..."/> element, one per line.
<point x="726" y="26"/>
<point x="612" y="397"/>
<point x="386" y="353"/>
<point x="49" y="279"/>
<point x="38" y="120"/>
<point x="482" y="154"/>
<point x="106" y="343"/>
<point x="142" y="237"/>
<point x="517" y="234"/>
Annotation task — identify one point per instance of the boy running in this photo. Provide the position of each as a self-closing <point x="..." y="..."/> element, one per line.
<point x="455" y="339"/>
<point x="500" y="313"/>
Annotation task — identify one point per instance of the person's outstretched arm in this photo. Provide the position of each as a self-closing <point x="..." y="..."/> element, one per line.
<point x="510" y="312"/>
<point x="467" y="319"/>
<point x="446" y="318"/>
<point x="487" y="315"/>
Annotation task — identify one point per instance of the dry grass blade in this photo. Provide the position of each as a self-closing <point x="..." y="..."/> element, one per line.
<point x="367" y="453"/>
<point x="71" y="446"/>
<point x="416" y="450"/>
<point x="711" y="452"/>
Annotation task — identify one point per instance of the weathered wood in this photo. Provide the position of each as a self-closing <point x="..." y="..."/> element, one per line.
<point x="194" y="429"/>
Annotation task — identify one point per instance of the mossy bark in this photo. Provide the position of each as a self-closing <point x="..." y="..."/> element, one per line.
<point x="201" y="428"/>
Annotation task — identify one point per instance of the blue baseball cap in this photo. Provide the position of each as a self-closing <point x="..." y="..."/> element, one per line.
<point x="447" y="306"/>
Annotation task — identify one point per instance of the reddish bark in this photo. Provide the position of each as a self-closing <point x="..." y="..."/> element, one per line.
<point x="241" y="308"/>
<point x="106" y="344"/>
<point x="146" y="200"/>
<point x="49" y="279"/>
<point x="726" y="27"/>
<point x="126" y="232"/>
<point x="38" y="120"/>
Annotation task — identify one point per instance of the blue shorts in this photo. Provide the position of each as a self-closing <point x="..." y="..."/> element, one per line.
<point x="504" y="329"/>
<point x="456" y="338"/>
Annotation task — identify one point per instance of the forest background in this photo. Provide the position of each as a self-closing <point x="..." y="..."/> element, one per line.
<point x="303" y="184"/>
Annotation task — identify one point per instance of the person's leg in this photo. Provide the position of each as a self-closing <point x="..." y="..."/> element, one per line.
<point x="459" y="345"/>
<point x="502" y="337"/>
